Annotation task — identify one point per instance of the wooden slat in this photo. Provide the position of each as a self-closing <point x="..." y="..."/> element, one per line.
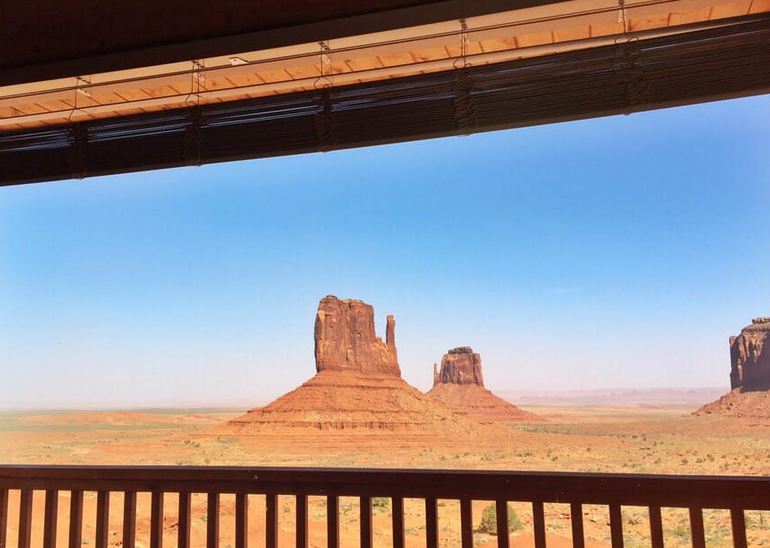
<point x="301" y="521"/>
<point x="538" y="523"/>
<point x="25" y="518"/>
<point x="738" y="521"/>
<point x="366" y="522"/>
<point x="129" y="518"/>
<point x="76" y="519"/>
<point x="212" y="521"/>
<point x="576" y="517"/>
<point x="431" y="522"/>
<point x="656" y="527"/>
<point x="696" y="528"/>
<point x="466" y="523"/>
<point x="333" y="521"/>
<point x="501" y="510"/>
<point x="51" y="516"/>
<point x="102" y="518"/>
<point x="3" y="516"/>
<point x="241" y="520"/>
<point x="616" y="526"/>
<point x="271" y="520"/>
<point x="185" y="519"/>
<point x="397" y="517"/>
<point x="156" y="520"/>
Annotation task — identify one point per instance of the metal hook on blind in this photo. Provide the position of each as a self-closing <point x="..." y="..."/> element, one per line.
<point x="324" y="80"/>
<point x="81" y="88"/>
<point x="462" y="60"/>
<point x="622" y="16"/>
<point x="197" y="82"/>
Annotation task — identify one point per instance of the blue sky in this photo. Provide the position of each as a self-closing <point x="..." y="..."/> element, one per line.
<point x="617" y="252"/>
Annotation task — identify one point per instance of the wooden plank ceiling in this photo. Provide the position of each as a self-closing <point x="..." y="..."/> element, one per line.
<point x="507" y="36"/>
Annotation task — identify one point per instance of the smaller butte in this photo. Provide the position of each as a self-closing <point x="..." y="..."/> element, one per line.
<point x="459" y="384"/>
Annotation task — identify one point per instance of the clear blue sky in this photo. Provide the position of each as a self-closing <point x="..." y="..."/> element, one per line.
<point x="619" y="252"/>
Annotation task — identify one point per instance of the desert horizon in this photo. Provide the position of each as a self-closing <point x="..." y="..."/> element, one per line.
<point x="622" y="396"/>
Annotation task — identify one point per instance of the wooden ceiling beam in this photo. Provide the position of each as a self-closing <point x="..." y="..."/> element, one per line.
<point x="48" y="39"/>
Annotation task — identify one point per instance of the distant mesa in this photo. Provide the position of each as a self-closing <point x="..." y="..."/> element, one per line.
<point x="459" y="384"/>
<point x="357" y="389"/>
<point x="749" y="374"/>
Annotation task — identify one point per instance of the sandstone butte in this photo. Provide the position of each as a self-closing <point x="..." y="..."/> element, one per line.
<point x="357" y="390"/>
<point x="459" y="384"/>
<point x="749" y="374"/>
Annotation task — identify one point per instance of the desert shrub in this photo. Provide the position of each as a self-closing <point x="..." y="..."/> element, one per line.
<point x="680" y="532"/>
<point x="489" y="520"/>
<point x="380" y="503"/>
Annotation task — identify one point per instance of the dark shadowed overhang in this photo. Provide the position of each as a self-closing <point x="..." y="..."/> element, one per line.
<point x="91" y="87"/>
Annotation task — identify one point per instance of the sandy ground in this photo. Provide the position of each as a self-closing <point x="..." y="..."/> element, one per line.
<point x="600" y="438"/>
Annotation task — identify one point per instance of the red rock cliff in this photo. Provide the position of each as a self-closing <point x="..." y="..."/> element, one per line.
<point x="750" y="357"/>
<point x="459" y="366"/>
<point x="345" y="339"/>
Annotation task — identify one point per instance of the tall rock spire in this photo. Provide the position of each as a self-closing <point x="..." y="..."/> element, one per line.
<point x="345" y="339"/>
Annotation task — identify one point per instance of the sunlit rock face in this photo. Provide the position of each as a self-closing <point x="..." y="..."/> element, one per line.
<point x="345" y="339"/>
<point x="750" y="357"/>
<point x="459" y="366"/>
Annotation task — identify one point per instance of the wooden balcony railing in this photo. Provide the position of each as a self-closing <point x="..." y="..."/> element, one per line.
<point x="614" y="491"/>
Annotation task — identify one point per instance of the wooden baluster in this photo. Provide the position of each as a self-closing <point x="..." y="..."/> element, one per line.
<point x="185" y="519"/>
<point x="333" y="521"/>
<point x="76" y="519"/>
<point x="696" y="528"/>
<point x="241" y="520"/>
<point x="129" y="518"/>
<point x="538" y="519"/>
<point x="431" y="522"/>
<point x="212" y="521"/>
<point x="576" y="517"/>
<point x="397" y="517"/>
<point x="656" y="527"/>
<point x="271" y="520"/>
<point x="102" y="518"/>
<point x="738" y="521"/>
<point x="301" y="525"/>
<point x="156" y="520"/>
<point x="25" y="518"/>
<point x="366" y="522"/>
<point x="51" y="516"/>
<point x="466" y="523"/>
<point x="501" y="511"/>
<point x="3" y="516"/>
<point x="616" y="526"/>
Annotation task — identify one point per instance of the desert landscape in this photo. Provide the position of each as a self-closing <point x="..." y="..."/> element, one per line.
<point x="357" y="411"/>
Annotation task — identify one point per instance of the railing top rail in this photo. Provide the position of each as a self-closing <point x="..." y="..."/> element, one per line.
<point x="748" y="492"/>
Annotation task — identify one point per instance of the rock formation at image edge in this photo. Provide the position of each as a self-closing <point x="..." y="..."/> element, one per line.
<point x="749" y="374"/>
<point x="459" y="384"/>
